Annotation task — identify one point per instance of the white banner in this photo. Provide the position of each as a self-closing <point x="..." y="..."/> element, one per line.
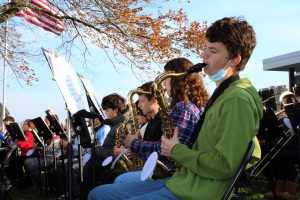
<point x="67" y="81"/>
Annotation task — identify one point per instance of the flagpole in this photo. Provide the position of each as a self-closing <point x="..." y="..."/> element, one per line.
<point x="4" y="76"/>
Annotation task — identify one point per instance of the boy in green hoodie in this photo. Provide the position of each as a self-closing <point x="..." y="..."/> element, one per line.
<point x="230" y="121"/>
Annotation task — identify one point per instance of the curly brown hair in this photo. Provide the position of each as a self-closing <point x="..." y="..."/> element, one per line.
<point x="187" y="88"/>
<point x="237" y="35"/>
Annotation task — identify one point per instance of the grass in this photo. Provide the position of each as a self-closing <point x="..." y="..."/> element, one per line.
<point x="253" y="189"/>
<point x="30" y="193"/>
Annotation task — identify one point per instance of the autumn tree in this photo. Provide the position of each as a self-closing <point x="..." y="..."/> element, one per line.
<point x="15" y="52"/>
<point x="142" y="31"/>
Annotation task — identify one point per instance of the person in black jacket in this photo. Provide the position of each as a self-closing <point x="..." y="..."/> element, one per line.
<point x="115" y="107"/>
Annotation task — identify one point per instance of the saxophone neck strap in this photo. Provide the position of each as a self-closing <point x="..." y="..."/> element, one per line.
<point x="218" y="91"/>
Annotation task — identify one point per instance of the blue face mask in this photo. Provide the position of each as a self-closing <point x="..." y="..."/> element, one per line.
<point x="219" y="74"/>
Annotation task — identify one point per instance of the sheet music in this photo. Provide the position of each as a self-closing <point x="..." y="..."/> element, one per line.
<point x="88" y="87"/>
<point x="66" y="79"/>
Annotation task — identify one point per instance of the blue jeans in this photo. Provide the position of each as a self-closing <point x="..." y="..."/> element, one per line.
<point x="129" y="177"/>
<point x="146" y="190"/>
<point x="31" y="166"/>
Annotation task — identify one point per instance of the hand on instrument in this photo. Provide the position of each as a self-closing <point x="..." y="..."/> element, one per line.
<point x="117" y="151"/>
<point x="129" y="154"/>
<point x="168" y="144"/>
<point x="129" y="138"/>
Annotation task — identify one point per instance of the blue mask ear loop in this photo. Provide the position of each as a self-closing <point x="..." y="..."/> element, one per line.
<point x="219" y="74"/>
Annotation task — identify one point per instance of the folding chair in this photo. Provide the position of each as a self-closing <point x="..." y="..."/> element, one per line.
<point x="239" y="171"/>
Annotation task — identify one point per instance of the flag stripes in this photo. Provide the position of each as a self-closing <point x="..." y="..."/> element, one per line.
<point x="46" y="21"/>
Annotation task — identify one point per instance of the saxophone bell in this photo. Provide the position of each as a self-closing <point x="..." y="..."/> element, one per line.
<point x="107" y="161"/>
<point x="150" y="165"/>
<point x="123" y="153"/>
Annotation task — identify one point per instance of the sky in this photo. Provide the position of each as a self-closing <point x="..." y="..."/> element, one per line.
<point x="277" y="27"/>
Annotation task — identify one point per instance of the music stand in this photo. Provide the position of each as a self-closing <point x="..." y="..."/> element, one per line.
<point x="81" y="128"/>
<point x="42" y="128"/>
<point x="56" y="128"/>
<point x="94" y="106"/>
<point x="44" y="132"/>
<point x="37" y="139"/>
<point x="84" y="138"/>
<point x="54" y="125"/>
<point x="15" y="132"/>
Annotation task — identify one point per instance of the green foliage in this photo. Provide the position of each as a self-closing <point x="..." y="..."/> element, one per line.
<point x="6" y="110"/>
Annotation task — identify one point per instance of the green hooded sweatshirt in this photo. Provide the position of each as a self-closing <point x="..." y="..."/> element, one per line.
<point x="229" y="125"/>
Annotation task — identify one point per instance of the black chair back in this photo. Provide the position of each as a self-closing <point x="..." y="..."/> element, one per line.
<point x="240" y="170"/>
<point x="6" y="161"/>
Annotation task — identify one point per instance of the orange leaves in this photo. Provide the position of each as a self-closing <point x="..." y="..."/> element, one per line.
<point x="18" y="53"/>
<point x="142" y="31"/>
<point x="194" y="37"/>
<point x="26" y="73"/>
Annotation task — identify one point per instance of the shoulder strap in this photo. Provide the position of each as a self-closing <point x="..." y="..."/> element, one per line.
<point x="218" y="91"/>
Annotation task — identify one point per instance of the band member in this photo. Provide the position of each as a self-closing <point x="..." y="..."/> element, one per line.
<point x="25" y="146"/>
<point x="284" y="163"/>
<point x="142" y="119"/>
<point x="15" y="171"/>
<point x="106" y="125"/>
<point x="6" y="140"/>
<point x="115" y="107"/>
<point x="32" y="165"/>
<point x="144" y="147"/>
<point x="229" y="122"/>
<point x="187" y="94"/>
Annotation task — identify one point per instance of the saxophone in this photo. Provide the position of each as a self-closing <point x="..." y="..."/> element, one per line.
<point x="125" y="164"/>
<point x="164" y="109"/>
<point x="162" y="171"/>
<point x="159" y="92"/>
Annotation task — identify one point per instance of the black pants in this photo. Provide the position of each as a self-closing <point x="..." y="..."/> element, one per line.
<point x="59" y="180"/>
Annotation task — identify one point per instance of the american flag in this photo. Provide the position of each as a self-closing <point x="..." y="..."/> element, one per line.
<point x="46" y="21"/>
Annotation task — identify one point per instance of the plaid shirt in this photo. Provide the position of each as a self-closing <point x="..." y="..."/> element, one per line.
<point x="183" y="116"/>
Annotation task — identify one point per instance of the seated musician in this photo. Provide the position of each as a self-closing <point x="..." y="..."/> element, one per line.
<point x="285" y="161"/>
<point x="32" y="164"/>
<point x="106" y="125"/>
<point x="6" y="140"/>
<point x="142" y="119"/>
<point x="229" y="122"/>
<point x="7" y="143"/>
<point x="115" y="108"/>
<point x="15" y="171"/>
<point x="185" y="104"/>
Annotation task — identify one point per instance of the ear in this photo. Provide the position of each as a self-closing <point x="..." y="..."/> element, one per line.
<point x="236" y="60"/>
<point x="154" y="102"/>
<point x="116" y="111"/>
